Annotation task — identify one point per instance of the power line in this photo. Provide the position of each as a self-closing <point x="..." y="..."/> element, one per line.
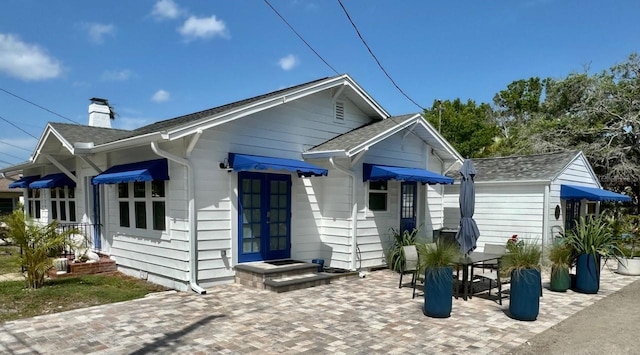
<point x="5" y="162"/>
<point x="38" y="106"/>
<point x="13" y="156"/>
<point x="18" y="127"/>
<point x="15" y="146"/>
<point x="299" y="36"/>
<point x="376" y="58"/>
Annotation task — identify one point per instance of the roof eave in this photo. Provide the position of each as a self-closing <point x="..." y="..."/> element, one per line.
<point x="325" y="154"/>
<point x="123" y="143"/>
<point x="18" y="167"/>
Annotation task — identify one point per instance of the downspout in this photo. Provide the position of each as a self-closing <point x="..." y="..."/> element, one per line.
<point x="354" y="210"/>
<point x="193" y="245"/>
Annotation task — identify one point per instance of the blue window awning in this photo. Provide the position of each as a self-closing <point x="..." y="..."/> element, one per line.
<point x="373" y="172"/>
<point x="141" y="171"/>
<point x="52" y="181"/>
<point x="573" y="192"/>
<point x="23" y="182"/>
<point x="244" y="162"/>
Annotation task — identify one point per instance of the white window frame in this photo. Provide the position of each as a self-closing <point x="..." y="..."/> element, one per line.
<point x="148" y="200"/>
<point x="377" y="191"/>
<point x="67" y="204"/>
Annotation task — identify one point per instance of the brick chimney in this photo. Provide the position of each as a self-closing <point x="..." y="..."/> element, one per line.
<point x="100" y="113"/>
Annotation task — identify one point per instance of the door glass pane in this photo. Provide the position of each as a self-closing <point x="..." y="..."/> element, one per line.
<point x="61" y="192"/>
<point x="72" y="192"/>
<point x="255" y="185"/>
<point x="246" y="231"/>
<point x="158" y="216"/>
<point x="256" y="231"/>
<point x="274" y="200"/>
<point x="273" y="243"/>
<point x="72" y="211"/>
<point x="256" y="245"/>
<point x="255" y="216"/>
<point x="255" y="201"/>
<point x="138" y="189"/>
<point x="124" y="214"/>
<point x="246" y="246"/>
<point x="53" y="193"/>
<point x="246" y="201"/>
<point x="246" y="185"/>
<point x="157" y="189"/>
<point x="54" y="210"/>
<point x="63" y="211"/>
<point x="282" y="243"/>
<point x="140" y="214"/>
<point x="123" y="190"/>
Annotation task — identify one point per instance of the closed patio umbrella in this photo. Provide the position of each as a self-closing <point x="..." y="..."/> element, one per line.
<point x="468" y="232"/>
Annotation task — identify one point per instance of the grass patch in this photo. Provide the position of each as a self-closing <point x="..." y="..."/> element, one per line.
<point x="9" y="259"/>
<point x="61" y="295"/>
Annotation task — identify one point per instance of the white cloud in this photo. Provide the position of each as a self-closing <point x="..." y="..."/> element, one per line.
<point x="166" y="9"/>
<point x="203" y="27"/>
<point x="117" y="75"/>
<point x="288" y="62"/>
<point x="161" y="96"/>
<point x="97" y="31"/>
<point x="26" y="61"/>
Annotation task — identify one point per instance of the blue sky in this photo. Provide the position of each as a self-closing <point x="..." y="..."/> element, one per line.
<point x="155" y="60"/>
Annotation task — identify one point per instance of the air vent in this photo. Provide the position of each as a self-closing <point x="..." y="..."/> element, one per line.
<point x="339" y="111"/>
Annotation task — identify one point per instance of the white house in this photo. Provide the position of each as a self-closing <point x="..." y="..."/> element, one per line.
<point x="534" y="196"/>
<point x="318" y="170"/>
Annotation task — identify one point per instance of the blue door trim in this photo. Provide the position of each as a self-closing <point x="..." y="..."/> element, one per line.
<point x="257" y="219"/>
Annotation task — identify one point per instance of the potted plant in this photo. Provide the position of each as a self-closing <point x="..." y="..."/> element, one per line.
<point x="629" y="258"/>
<point x="437" y="260"/>
<point x="561" y="257"/>
<point x="591" y="239"/>
<point x="394" y="255"/>
<point x="522" y="262"/>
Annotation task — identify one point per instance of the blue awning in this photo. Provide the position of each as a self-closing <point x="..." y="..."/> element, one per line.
<point x="383" y="172"/>
<point x="23" y="182"/>
<point x="573" y="192"/>
<point x="243" y="162"/>
<point x="51" y="181"/>
<point x="141" y="171"/>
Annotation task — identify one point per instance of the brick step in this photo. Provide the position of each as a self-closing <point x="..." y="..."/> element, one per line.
<point x="297" y="282"/>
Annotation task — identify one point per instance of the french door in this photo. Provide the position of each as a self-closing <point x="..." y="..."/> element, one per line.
<point x="264" y="218"/>
<point x="408" y="204"/>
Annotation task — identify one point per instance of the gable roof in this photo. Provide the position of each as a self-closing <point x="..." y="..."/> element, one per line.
<point x="74" y="133"/>
<point x="535" y="167"/>
<point x="360" y="139"/>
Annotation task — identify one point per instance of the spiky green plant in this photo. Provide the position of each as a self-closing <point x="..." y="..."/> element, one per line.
<point x="593" y="236"/>
<point x="433" y="256"/>
<point x="394" y="255"/>
<point x="560" y="256"/>
<point x="37" y="242"/>
<point x="521" y="255"/>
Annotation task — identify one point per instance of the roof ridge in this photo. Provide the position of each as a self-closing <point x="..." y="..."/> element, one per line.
<point x="85" y="126"/>
<point x="529" y="155"/>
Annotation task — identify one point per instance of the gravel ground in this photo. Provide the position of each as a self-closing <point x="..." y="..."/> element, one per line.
<point x="611" y="326"/>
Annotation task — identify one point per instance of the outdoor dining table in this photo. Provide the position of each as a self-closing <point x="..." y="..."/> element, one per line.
<point x="466" y="262"/>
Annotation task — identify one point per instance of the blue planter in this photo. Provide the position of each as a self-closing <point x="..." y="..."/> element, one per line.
<point x="524" y="297"/>
<point x="587" y="273"/>
<point x="438" y="292"/>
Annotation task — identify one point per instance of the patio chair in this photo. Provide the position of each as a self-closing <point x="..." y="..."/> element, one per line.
<point x="499" y="249"/>
<point x="410" y="264"/>
<point x="495" y="277"/>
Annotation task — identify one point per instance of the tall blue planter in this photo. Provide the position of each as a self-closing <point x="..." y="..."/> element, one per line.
<point x="524" y="297"/>
<point x="438" y="292"/>
<point x="587" y="273"/>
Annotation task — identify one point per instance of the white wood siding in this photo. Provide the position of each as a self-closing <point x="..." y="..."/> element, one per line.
<point x="284" y="131"/>
<point x="577" y="173"/>
<point x="501" y="211"/>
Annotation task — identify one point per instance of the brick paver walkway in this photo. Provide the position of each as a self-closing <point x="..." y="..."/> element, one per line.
<point x="364" y="316"/>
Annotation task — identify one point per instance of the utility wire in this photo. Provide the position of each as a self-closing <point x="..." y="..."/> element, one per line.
<point x="15" y="146"/>
<point x="376" y="58"/>
<point x="38" y="106"/>
<point x="5" y="162"/>
<point x="18" y="127"/>
<point x="13" y="156"/>
<point x="299" y="36"/>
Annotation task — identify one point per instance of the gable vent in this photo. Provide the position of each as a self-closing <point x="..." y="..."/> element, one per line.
<point x="340" y="111"/>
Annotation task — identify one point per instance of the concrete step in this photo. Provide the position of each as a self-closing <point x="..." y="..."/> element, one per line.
<point x="297" y="282"/>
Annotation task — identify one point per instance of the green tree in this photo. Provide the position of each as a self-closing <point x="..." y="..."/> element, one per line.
<point x="37" y="243"/>
<point x="470" y="128"/>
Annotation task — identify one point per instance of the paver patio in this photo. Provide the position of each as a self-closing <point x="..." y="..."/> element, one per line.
<point x="360" y="316"/>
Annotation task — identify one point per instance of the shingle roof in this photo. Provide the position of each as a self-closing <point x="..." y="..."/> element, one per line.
<point x="4" y="186"/>
<point x="74" y="133"/>
<point x="80" y="133"/>
<point x="360" y="135"/>
<point x="519" y="168"/>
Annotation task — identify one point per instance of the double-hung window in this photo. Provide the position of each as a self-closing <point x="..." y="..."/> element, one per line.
<point x="142" y="205"/>
<point x="378" y="195"/>
<point x="63" y="204"/>
<point x="33" y="209"/>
